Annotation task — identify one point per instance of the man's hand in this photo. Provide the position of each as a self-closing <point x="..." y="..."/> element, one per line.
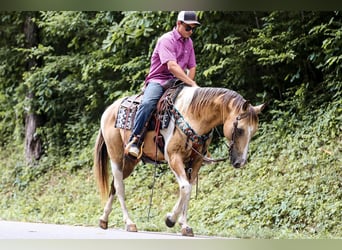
<point x="179" y="73"/>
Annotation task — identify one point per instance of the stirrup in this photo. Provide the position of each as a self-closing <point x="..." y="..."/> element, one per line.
<point x="133" y="152"/>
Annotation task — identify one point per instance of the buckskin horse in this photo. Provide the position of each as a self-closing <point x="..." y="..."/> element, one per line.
<point x="194" y="113"/>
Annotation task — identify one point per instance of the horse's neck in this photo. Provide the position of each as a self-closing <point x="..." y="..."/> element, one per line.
<point x="209" y="117"/>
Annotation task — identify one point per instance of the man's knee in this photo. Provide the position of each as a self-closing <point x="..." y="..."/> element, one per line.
<point x="148" y="106"/>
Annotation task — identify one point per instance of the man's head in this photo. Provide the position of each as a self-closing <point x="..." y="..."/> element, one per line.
<point x="186" y="23"/>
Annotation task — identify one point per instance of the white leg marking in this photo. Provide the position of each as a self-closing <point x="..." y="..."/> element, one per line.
<point x="120" y="191"/>
<point x="107" y="209"/>
<point x="181" y="207"/>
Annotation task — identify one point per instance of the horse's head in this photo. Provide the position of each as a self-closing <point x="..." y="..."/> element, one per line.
<point x="239" y="128"/>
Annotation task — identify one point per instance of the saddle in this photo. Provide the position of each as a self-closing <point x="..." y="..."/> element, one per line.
<point x="129" y="106"/>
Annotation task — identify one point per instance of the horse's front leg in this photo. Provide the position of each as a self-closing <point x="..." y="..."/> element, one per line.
<point x="181" y="207"/>
<point x="120" y="192"/>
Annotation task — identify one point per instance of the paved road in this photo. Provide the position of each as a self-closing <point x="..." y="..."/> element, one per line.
<point x="24" y="230"/>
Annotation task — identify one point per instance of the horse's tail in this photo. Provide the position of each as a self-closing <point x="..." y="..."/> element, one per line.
<point x="101" y="165"/>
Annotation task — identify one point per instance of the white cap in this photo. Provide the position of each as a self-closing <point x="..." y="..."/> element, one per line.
<point x="188" y="17"/>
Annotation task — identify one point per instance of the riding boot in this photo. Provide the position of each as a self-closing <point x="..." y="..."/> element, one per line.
<point x="133" y="148"/>
<point x="136" y="142"/>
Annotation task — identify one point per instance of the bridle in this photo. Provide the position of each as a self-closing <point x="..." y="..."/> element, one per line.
<point x="208" y="160"/>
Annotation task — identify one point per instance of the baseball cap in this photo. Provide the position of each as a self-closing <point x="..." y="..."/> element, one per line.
<point x="188" y="17"/>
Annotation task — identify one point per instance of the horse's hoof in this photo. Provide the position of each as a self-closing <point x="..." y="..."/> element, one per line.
<point x="103" y="224"/>
<point x="169" y="222"/>
<point x="187" y="231"/>
<point x="131" y="228"/>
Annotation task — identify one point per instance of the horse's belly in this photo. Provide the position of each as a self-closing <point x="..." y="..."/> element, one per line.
<point x="150" y="147"/>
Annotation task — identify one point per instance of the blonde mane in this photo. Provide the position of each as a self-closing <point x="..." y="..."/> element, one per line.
<point x="205" y="98"/>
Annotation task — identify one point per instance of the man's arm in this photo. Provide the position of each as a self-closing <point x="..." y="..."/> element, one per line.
<point x="192" y="73"/>
<point x="179" y="73"/>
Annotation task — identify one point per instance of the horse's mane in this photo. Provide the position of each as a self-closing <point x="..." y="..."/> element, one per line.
<point x="205" y="96"/>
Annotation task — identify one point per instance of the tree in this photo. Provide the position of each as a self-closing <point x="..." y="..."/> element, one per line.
<point x="33" y="144"/>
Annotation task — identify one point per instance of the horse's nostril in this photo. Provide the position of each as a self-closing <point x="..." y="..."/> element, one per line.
<point x="236" y="164"/>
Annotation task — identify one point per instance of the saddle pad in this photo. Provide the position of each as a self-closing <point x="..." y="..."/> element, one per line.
<point x="129" y="106"/>
<point x="127" y="110"/>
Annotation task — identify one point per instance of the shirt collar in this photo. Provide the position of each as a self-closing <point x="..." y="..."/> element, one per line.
<point x="177" y="35"/>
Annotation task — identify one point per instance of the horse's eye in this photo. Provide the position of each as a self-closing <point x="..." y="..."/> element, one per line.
<point x="239" y="132"/>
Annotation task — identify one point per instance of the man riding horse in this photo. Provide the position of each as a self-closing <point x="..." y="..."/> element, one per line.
<point x="172" y="57"/>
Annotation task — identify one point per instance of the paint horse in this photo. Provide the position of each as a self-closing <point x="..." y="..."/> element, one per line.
<point x="194" y="114"/>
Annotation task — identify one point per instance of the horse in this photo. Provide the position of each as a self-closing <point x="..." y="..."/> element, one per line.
<point x="196" y="112"/>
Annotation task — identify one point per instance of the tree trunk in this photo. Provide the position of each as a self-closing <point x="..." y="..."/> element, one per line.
<point x="33" y="144"/>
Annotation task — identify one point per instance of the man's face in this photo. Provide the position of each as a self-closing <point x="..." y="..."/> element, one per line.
<point x="186" y="30"/>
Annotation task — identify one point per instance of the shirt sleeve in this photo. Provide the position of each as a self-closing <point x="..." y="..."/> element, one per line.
<point x="166" y="50"/>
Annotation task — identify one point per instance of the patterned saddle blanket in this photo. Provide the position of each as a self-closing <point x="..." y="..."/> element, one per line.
<point x="129" y="106"/>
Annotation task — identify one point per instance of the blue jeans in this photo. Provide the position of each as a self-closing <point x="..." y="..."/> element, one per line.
<point x="152" y="94"/>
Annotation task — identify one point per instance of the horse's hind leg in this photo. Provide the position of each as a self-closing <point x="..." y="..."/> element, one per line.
<point x="119" y="176"/>
<point x="107" y="209"/>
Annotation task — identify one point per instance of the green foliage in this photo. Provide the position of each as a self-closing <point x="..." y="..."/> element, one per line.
<point x="225" y="60"/>
<point x="12" y="65"/>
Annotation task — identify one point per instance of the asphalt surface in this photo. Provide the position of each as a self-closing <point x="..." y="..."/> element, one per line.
<point x="25" y="230"/>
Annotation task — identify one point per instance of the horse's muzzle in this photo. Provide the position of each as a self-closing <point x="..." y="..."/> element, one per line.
<point x="238" y="163"/>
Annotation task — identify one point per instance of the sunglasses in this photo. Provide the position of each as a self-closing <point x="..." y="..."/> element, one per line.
<point x="188" y="27"/>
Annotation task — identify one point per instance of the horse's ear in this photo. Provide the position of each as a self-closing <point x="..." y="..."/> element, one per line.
<point x="258" y="109"/>
<point x="245" y="105"/>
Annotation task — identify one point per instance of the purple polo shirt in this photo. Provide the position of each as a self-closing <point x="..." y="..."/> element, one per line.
<point x="170" y="47"/>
